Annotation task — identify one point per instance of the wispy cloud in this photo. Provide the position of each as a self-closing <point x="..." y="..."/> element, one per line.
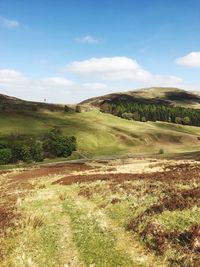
<point x="191" y="60"/>
<point x="95" y="86"/>
<point x="88" y="39"/>
<point x="56" y="82"/>
<point x="8" y="23"/>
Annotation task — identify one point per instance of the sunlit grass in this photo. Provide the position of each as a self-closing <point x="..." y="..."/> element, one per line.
<point x="104" y="134"/>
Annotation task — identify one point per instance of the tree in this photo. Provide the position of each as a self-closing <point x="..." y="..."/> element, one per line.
<point x="143" y="119"/>
<point x="78" y="109"/>
<point x="186" y="120"/>
<point x="152" y="112"/>
<point x="127" y="116"/>
<point x="37" y="152"/>
<point x="26" y="153"/>
<point x="5" y="155"/>
<point x="136" y="116"/>
<point x="16" y="150"/>
<point x="161" y="151"/>
<point x="178" y="120"/>
<point x="2" y="107"/>
<point x="66" y="108"/>
<point x="3" y="144"/>
<point x="59" y="145"/>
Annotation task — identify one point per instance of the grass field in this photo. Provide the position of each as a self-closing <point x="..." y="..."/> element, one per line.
<point x="104" y="134"/>
<point x="133" y="212"/>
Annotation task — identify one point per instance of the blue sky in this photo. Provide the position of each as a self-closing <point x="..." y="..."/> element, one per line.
<point x="66" y="51"/>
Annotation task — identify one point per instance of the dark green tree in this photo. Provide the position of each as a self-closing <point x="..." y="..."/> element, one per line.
<point x="26" y="154"/>
<point x="5" y="155"/>
<point x="59" y="145"/>
<point x="37" y="152"/>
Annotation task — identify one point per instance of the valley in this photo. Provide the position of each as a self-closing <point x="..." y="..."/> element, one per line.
<point x="128" y="195"/>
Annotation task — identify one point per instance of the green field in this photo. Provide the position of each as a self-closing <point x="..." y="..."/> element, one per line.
<point x="104" y="134"/>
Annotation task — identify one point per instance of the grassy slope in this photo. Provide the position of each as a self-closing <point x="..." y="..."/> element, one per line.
<point x="104" y="134"/>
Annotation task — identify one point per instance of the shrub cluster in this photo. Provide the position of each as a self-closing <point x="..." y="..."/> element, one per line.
<point x="29" y="148"/>
<point x="59" y="145"/>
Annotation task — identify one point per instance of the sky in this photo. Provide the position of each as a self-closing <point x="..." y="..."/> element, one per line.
<point x="66" y="51"/>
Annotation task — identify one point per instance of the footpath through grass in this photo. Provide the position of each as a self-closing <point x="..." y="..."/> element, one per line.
<point x="59" y="227"/>
<point x="144" y="220"/>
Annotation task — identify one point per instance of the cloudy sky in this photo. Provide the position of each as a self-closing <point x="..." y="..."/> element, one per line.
<point x="68" y="50"/>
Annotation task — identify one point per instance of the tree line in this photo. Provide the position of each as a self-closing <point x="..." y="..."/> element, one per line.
<point x="153" y="112"/>
<point x="29" y="148"/>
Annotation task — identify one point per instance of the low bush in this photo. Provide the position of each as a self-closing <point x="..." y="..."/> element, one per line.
<point x="161" y="151"/>
<point x="5" y="155"/>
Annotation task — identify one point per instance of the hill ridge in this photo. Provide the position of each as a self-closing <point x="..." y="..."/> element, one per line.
<point x="163" y="95"/>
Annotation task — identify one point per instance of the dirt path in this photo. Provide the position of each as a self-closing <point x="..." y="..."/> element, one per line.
<point x="134" y="250"/>
<point x="16" y="184"/>
<point x="71" y="257"/>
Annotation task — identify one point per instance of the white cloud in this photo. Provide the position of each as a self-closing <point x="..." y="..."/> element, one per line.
<point x="113" y="68"/>
<point x="191" y="60"/>
<point x="9" y="76"/>
<point x="15" y="83"/>
<point x="88" y="39"/>
<point x="56" y="81"/>
<point x="120" y="73"/>
<point x="8" y="23"/>
<point x="119" y="68"/>
<point x="96" y="86"/>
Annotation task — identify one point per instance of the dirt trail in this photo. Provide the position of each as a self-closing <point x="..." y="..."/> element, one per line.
<point x="70" y="254"/>
<point x="134" y="250"/>
<point x="15" y="185"/>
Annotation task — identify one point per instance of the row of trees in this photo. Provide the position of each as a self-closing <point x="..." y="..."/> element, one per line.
<point x="153" y="112"/>
<point x="29" y="148"/>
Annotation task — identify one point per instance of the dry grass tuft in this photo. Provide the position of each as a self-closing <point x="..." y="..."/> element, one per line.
<point x="62" y="196"/>
<point x="35" y="220"/>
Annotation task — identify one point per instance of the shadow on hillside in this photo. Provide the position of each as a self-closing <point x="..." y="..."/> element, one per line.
<point x="183" y="97"/>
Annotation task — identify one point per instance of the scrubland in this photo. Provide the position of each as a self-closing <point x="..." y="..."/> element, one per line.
<point x="125" y="212"/>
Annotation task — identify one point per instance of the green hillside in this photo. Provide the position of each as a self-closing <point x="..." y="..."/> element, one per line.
<point x="102" y="134"/>
<point x="99" y="133"/>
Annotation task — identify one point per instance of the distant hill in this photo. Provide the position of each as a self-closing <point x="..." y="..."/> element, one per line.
<point x="8" y="98"/>
<point x="153" y="95"/>
<point x="13" y="104"/>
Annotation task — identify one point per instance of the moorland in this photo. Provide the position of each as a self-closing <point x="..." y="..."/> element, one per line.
<point x="128" y="195"/>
